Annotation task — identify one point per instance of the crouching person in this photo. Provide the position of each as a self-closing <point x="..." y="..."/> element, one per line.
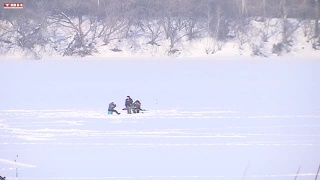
<point x="111" y="109"/>
<point x="137" y="106"/>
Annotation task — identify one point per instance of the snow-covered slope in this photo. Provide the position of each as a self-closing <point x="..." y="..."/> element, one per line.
<point x="257" y="38"/>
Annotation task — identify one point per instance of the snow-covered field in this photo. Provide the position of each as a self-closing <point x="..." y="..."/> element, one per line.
<point x="206" y="119"/>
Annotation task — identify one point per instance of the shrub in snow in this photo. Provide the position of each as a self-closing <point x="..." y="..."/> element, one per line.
<point x="316" y="45"/>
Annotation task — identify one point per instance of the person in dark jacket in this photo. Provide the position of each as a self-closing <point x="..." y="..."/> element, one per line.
<point x="137" y="106"/>
<point x="111" y="109"/>
<point x="128" y="104"/>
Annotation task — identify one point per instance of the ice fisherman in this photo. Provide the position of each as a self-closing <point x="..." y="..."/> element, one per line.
<point x="128" y="104"/>
<point x="111" y="109"/>
<point x="137" y="106"/>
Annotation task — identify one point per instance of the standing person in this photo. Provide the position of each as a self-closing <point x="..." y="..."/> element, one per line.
<point x="111" y="109"/>
<point x="128" y="104"/>
<point x="137" y="106"/>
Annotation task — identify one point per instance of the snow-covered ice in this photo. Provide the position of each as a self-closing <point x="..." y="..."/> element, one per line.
<point x="206" y="119"/>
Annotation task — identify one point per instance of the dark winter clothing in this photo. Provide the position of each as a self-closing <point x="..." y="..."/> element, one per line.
<point x="137" y="106"/>
<point x="111" y="108"/>
<point x="128" y="104"/>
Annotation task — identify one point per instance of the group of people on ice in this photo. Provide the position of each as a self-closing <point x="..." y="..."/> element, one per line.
<point x="130" y="106"/>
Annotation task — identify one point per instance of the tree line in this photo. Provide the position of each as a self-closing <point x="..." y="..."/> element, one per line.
<point x="39" y="23"/>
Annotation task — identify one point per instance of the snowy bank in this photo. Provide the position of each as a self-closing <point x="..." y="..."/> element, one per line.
<point x="257" y="38"/>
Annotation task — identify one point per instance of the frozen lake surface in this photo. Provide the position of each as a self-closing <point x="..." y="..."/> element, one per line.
<point x="206" y="120"/>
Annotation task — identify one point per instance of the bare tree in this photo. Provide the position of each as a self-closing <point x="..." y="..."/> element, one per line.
<point x="80" y="27"/>
<point x="173" y="24"/>
<point x="194" y="13"/>
<point x="242" y="4"/>
<point x="153" y="30"/>
<point x="174" y="29"/>
<point x="29" y="29"/>
<point x="112" y="28"/>
<point x="316" y="38"/>
<point x="216" y="26"/>
<point x="6" y="40"/>
<point x="150" y="23"/>
<point x="288" y="27"/>
<point x="316" y="28"/>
